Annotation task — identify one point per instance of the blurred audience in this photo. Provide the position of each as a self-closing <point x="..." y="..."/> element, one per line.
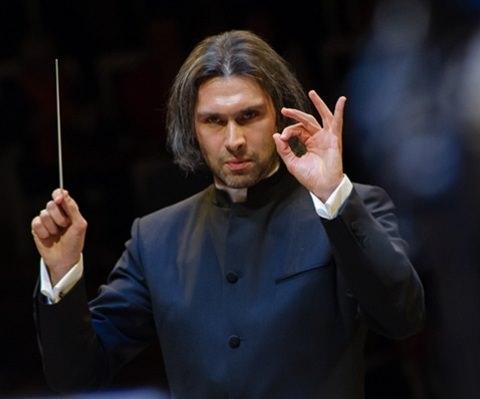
<point x="418" y="72"/>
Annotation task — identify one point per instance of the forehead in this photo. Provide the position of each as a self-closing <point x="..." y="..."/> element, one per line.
<point x="223" y="93"/>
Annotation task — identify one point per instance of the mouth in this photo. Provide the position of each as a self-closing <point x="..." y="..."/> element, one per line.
<point x="237" y="165"/>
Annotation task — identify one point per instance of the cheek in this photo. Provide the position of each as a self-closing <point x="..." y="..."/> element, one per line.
<point x="267" y="143"/>
<point x="209" y="146"/>
<point x="262" y="133"/>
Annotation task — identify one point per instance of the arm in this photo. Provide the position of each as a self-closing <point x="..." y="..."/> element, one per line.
<point x="84" y="344"/>
<point x="373" y="260"/>
<point x="368" y="249"/>
<point x="66" y="339"/>
<point x="72" y="358"/>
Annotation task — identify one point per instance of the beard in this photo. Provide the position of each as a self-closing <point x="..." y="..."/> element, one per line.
<point x="256" y="171"/>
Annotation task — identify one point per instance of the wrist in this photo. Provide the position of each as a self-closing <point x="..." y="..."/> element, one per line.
<point x="326" y="190"/>
<point x="56" y="274"/>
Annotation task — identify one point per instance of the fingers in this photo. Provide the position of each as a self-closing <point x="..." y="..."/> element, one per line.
<point x="337" y="125"/>
<point x="321" y="107"/>
<point x="297" y="130"/>
<point x="38" y="229"/>
<point x="49" y="222"/>
<point x="329" y="120"/>
<point x="333" y="122"/>
<point x="59" y="213"/>
<point x="281" y="143"/>
<point x="308" y="121"/>
<point x="67" y="205"/>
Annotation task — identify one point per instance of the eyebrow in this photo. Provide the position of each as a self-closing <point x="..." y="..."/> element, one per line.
<point x="255" y="107"/>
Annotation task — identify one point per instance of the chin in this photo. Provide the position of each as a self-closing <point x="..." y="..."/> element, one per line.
<point x="240" y="181"/>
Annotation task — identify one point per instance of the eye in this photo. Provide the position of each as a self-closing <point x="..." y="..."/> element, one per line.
<point x="247" y="116"/>
<point x="214" y="120"/>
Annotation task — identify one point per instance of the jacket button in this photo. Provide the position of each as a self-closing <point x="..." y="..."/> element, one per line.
<point x="361" y="237"/>
<point x="354" y="226"/>
<point x="234" y="341"/>
<point x="231" y="277"/>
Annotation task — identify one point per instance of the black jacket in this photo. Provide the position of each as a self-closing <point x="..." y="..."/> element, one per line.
<point x="256" y="300"/>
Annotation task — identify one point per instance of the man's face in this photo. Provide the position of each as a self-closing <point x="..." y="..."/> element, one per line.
<point x="234" y="124"/>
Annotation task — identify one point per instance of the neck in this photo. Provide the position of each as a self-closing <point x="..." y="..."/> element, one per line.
<point x="239" y="194"/>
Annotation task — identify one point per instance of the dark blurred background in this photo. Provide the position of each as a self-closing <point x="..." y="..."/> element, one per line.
<point x="410" y="70"/>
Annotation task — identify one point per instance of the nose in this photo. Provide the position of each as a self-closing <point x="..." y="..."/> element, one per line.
<point x="234" y="138"/>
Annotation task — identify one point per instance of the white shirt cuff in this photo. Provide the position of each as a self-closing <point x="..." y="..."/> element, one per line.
<point x="329" y="209"/>
<point x="56" y="293"/>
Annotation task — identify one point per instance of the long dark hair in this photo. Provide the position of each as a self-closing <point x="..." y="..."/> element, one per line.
<point x="232" y="53"/>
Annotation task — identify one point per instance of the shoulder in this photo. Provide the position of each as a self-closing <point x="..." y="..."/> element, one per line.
<point x="173" y="215"/>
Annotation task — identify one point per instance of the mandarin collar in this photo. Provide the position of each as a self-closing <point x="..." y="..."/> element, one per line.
<point x="273" y="186"/>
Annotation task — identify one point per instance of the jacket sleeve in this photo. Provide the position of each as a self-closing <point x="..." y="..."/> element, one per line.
<point x="372" y="258"/>
<point x="83" y="344"/>
<point x="71" y="355"/>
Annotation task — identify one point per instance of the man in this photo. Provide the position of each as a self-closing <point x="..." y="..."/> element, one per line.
<point x="264" y="284"/>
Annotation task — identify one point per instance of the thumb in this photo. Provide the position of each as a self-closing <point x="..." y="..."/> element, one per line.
<point x="70" y="207"/>
<point x="283" y="148"/>
<point x="282" y="145"/>
<point x="73" y="212"/>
